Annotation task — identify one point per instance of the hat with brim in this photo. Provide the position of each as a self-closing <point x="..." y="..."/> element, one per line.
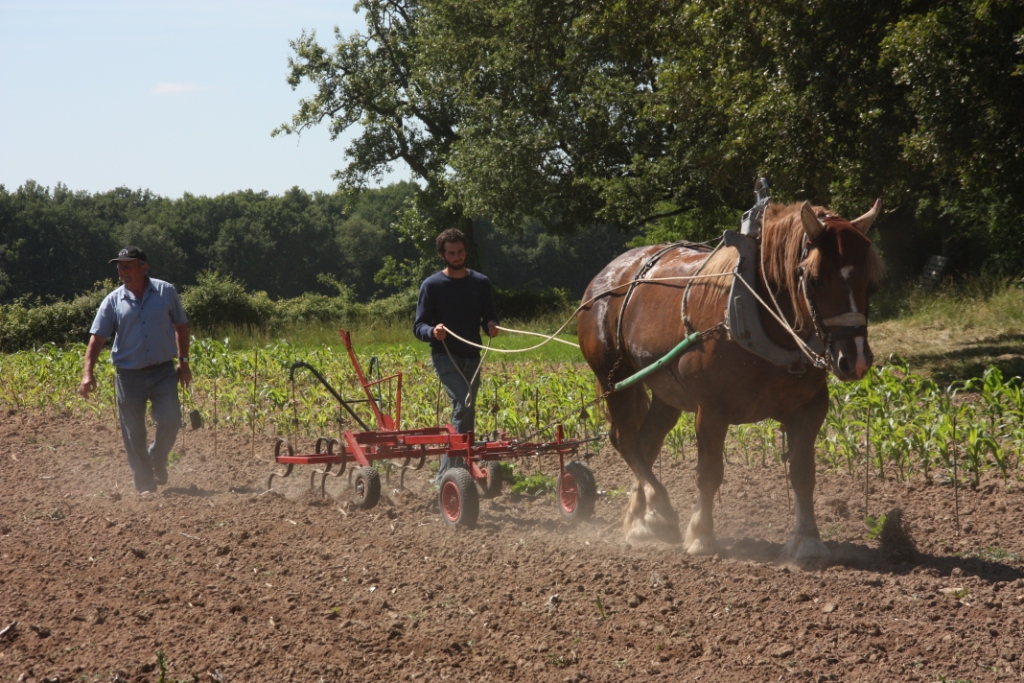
<point x="130" y="254"/>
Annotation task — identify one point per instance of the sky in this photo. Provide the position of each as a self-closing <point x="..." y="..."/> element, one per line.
<point x="170" y="96"/>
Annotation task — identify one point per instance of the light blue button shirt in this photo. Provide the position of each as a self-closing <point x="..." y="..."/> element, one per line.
<point x="145" y="329"/>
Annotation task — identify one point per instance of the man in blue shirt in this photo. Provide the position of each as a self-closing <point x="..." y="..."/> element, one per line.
<point x="460" y="300"/>
<point x="151" y="329"/>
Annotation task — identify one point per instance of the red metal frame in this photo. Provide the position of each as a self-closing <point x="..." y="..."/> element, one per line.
<point x="389" y="442"/>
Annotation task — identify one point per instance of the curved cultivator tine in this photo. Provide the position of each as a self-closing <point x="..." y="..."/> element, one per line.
<point x="327" y="471"/>
<point x="278" y="445"/>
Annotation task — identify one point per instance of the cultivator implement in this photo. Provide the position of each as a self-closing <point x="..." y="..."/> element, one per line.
<point x="461" y="486"/>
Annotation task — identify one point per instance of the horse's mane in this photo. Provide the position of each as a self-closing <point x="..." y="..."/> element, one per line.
<point x="782" y="244"/>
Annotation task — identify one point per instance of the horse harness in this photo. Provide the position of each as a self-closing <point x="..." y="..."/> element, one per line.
<point x="641" y="273"/>
<point x="743" y="320"/>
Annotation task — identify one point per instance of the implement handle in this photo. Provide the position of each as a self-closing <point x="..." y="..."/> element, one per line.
<point x="658" y="364"/>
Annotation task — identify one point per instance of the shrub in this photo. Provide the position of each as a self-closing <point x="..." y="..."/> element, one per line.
<point x="528" y="304"/>
<point x="313" y="308"/>
<point x="400" y="306"/>
<point x="27" y="323"/>
<point x="218" y="300"/>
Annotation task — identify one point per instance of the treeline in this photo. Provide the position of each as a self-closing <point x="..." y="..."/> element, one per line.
<point x="55" y="244"/>
<point x="259" y="261"/>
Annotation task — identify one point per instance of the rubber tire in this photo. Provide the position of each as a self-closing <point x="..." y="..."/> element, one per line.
<point x="457" y="498"/>
<point x="577" y="493"/>
<point x="490" y="487"/>
<point x="366" y="488"/>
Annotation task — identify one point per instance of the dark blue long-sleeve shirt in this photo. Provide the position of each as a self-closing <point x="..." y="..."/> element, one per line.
<point x="464" y="305"/>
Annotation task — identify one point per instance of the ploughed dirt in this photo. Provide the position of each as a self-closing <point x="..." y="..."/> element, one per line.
<point x="234" y="584"/>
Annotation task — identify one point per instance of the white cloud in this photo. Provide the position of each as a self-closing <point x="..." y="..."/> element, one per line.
<point x="176" y="88"/>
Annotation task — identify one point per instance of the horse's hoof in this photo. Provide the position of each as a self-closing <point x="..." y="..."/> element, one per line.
<point x="808" y="553"/>
<point x="700" y="542"/>
<point x="701" y="545"/>
<point x="640" y="530"/>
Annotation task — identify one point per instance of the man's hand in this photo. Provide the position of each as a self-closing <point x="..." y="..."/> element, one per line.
<point x="87" y="385"/>
<point x="184" y="374"/>
<point x="92" y="352"/>
<point x="440" y="332"/>
<point x="492" y="328"/>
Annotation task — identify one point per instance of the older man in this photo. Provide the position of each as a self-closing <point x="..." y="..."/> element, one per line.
<point x="151" y="329"/>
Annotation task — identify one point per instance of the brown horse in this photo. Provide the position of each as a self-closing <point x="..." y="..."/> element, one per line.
<point x="811" y="270"/>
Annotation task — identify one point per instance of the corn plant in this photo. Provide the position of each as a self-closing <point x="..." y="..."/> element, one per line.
<point x="915" y="428"/>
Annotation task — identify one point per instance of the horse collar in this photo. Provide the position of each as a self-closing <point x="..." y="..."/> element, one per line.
<point x="743" y="312"/>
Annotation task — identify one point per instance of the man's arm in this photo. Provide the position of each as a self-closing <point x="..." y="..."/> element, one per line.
<point x="182" y="339"/>
<point x="423" y="325"/>
<point x="92" y="354"/>
<point x="490" y="312"/>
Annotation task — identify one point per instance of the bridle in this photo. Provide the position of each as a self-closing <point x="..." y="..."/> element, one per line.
<point x="843" y="326"/>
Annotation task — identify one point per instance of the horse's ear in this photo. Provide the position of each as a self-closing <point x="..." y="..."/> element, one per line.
<point x="812" y="224"/>
<point x="865" y="222"/>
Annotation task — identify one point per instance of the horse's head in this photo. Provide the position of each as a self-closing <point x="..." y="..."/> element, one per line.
<point x="838" y="274"/>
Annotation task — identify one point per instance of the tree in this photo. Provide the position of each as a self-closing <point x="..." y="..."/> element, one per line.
<point x="960" y="67"/>
<point x="51" y="242"/>
<point x="378" y="81"/>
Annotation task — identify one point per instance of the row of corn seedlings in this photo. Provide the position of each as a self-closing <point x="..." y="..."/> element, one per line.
<point x="902" y="424"/>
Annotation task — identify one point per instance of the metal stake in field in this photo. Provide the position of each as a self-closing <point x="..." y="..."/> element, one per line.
<point x="867" y="456"/>
<point x="215" y="419"/>
<point x="252" y="406"/>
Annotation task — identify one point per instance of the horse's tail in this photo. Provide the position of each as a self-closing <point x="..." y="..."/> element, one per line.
<point x="630" y="408"/>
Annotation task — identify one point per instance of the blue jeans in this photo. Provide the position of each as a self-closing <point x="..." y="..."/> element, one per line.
<point x="463" y="397"/>
<point x="157" y="385"/>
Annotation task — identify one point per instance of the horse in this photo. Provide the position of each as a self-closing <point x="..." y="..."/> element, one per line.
<point x="812" y="272"/>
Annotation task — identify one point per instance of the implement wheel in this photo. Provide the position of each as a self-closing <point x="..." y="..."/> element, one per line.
<point x="577" y="492"/>
<point x="491" y="486"/>
<point x="366" y="488"/>
<point x="458" y="499"/>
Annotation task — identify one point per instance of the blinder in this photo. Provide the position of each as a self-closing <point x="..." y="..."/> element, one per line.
<point x="843" y="326"/>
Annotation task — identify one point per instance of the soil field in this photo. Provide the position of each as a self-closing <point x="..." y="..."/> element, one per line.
<point x="212" y="579"/>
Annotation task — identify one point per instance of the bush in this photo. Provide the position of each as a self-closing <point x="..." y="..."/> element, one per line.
<point x="528" y="304"/>
<point x="218" y="300"/>
<point x="400" y="306"/>
<point x="28" y="323"/>
<point x="313" y="308"/>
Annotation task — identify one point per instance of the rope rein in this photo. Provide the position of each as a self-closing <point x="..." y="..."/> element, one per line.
<point x="469" y="382"/>
<point x="552" y="337"/>
<point x="815" y="359"/>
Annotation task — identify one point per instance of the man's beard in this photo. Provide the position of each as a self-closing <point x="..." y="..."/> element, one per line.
<point x="452" y="266"/>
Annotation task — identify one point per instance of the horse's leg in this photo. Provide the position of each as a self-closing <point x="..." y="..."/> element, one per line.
<point x="649" y="514"/>
<point x="805" y="546"/>
<point x="659" y="519"/>
<point x="700" y="533"/>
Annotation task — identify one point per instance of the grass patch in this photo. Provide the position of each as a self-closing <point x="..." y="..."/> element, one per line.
<point x="387" y="334"/>
<point x="953" y="333"/>
<point x="993" y="555"/>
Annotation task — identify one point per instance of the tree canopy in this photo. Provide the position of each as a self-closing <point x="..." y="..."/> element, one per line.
<point x="661" y="113"/>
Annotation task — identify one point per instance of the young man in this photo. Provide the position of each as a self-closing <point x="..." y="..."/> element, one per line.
<point x="460" y="300"/>
<point x="151" y="330"/>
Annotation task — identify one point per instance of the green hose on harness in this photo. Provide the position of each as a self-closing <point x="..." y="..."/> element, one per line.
<point x="658" y="364"/>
